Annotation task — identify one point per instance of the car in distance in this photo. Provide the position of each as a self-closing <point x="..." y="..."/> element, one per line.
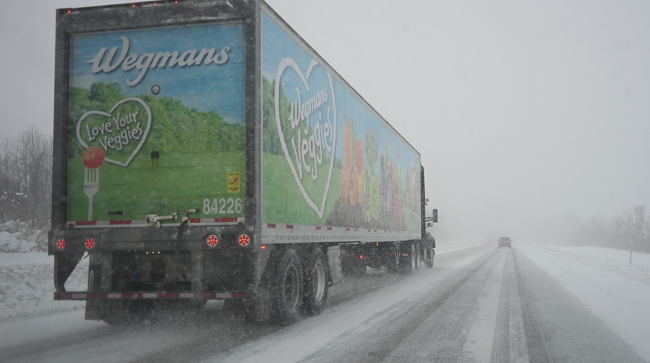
<point x="505" y="242"/>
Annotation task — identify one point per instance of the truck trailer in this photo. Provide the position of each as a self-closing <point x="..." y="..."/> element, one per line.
<point x="203" y="151"/>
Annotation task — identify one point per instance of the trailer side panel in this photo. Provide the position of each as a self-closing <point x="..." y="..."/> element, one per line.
<point x="333" y="169"/>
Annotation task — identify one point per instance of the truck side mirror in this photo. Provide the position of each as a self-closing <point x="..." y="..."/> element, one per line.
<point x="434" y="216"/>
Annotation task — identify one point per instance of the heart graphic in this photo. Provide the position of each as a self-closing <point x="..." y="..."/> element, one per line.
<point x="143" y="136"/>
<point x="289" y="62"/>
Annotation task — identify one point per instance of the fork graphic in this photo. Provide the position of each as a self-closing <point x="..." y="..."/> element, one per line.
<point x="91" y="187"/>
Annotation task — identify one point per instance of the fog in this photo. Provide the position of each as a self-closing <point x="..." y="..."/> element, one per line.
<point x="530" y="116"/>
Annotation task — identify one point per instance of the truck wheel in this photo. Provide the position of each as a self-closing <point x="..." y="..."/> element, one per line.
<point x="287" y="288"/>
<point x="412" y="260"/>
<point x="429" y="255"/>
<point x="316" y="283"/>
<point x="393" y="259"/>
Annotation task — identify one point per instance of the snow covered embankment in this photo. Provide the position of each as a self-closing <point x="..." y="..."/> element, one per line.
<point x="17" y="236"/>
<point x="616" y="261"/>
<point x="27" y="287"/>
<point x="27" y="273"/>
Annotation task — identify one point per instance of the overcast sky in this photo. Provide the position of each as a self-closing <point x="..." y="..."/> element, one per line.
<point x="529" y="115"/>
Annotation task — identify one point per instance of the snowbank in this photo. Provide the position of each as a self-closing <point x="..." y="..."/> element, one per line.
<point x="27" y="287"/>
<point x="10" y="243"/>
<point x="17" y="236"/>
<point x="617" y="261"/>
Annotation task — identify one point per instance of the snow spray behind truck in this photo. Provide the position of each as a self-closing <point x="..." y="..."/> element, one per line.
<point x="203" y="150"/>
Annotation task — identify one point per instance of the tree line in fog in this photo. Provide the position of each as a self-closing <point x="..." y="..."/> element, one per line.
<point x="629" y="230"/>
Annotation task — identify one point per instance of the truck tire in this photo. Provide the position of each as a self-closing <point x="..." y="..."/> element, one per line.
<point x="316" y="283"/>
<point x="429" y="255"/>
<point x="287" y="288"/>
<point x="393" y="259"/>
<point x="412" y="259"/>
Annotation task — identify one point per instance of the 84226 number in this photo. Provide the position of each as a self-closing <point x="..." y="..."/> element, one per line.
<point x="222" y="206"/>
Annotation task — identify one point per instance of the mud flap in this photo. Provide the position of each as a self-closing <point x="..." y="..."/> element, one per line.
<point x="262" y="305"/>
<point x="94" y="307"/>
<point x="64" y="264"/>
<point x="334" y="262"/>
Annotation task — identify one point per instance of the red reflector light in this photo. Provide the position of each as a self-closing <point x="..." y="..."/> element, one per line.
<point x="60" y="244"/>
<point x="244" y="240"/>
<point x="361" y="257"/>
<point x="90" y="243"/>
<point x="212" y="240"/>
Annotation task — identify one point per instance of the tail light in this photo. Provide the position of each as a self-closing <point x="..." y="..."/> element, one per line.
<point x="212" y="240"/>
<point x="90" y="243"/>
<point x="244" y="240"/>
<point x="60" y="244"/>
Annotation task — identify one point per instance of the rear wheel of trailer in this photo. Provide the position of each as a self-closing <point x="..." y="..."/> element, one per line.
<point x="394" y="259"/>
<point x="428" y="254"/>
<point x="412" y="258"/>
<point x="316" y="282"/>
<point x="287" y="288"/>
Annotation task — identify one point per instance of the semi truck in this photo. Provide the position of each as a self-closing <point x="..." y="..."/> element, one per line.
<point x="204" y="151"/>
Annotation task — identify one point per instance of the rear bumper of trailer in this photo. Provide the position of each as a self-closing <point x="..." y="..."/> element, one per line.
<point x="202" y="295"/>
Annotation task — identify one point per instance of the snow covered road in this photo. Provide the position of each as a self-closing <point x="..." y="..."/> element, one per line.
<point x="477" y="304"/>
<point x="606" y="284"/>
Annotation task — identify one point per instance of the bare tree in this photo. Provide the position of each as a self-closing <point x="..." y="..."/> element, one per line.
<point x="631" y="229"/>
<point x="26" y="177"/>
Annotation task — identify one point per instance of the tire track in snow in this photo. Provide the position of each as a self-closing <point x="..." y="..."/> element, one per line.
<point x="535" y="341"/>
<point x="501" y="342"/>
<point x="441" y="313"/>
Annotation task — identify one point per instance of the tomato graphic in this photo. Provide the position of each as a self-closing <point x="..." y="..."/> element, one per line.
<point x="93" y="157"/>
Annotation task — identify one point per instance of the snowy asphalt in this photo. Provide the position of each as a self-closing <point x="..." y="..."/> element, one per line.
<point x="477" y="304"/>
